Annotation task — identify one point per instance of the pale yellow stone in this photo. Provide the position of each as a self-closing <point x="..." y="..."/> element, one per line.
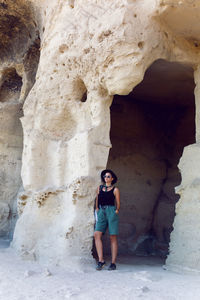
<point x="72" y="57"/>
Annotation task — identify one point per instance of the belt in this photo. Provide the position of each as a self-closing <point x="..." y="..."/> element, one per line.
<point x="105" y="206"/>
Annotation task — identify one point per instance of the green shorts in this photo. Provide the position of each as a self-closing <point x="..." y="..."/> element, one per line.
<point x="107" y="217"/>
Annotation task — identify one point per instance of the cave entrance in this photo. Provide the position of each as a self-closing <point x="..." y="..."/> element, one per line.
<point x="149" y="129"/>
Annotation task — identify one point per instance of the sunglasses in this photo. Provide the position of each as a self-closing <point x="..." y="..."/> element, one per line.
<point x="106" y="176"/>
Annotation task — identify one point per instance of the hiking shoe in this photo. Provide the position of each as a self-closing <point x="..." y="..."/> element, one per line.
<point x="100" y="265"/>
<point x="112" y="267"/>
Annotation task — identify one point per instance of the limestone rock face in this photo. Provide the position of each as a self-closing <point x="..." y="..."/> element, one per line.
<point x="65" y="61"/>
<point x="18" y="63"/>
<point x="186" y="225"/>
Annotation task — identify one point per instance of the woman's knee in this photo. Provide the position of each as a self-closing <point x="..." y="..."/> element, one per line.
<point x="97" y="235"/>
<point x="113" y="238"/>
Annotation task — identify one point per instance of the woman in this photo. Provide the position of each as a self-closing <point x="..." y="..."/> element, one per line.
<point x="107" y="210"/>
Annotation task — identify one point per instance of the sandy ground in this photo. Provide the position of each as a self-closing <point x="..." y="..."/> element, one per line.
<point x="135" y="278"/>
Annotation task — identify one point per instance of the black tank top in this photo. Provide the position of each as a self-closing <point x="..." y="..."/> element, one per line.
<point x="106" y="198"/>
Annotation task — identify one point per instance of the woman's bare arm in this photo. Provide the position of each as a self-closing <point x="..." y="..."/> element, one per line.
<point x="97" y="198"/>
<point x="117" y="198"/>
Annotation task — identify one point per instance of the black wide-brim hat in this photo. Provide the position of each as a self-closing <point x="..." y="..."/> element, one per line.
<point x="111" y="172"/>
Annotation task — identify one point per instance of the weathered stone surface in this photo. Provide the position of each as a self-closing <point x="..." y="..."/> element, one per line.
<point x="18" y="63"/>
<point x="4" y="216"/>
<point x="67" y="60"/>
<point x="185" y="255"/>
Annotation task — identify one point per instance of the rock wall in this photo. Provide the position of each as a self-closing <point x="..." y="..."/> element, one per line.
<point x="84" y="52"/>
<point x="18" y="62"/>
<point x="10" y="149"/>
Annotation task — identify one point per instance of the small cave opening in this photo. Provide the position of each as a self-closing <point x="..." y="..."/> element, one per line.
<point x="149" y="129"/>
<point x="11" y="84"/>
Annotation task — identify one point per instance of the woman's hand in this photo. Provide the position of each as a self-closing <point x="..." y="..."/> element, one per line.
<point x="117" y="211"/>
<point x="97" y="209"/>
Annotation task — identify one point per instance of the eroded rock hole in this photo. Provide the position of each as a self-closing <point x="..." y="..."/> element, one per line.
<point x="80" y="90"/>
<point x="149" y="129"/>
<point x="84" y="98"/>
<point x="13" y="81"/>
<point x="11" y="84"/>
<point x="141" y="45"/>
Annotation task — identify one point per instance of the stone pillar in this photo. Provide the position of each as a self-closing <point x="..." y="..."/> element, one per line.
<point x="60" y="172"/>
<point x="185" y="239"/>
<point x="66" y="144"/>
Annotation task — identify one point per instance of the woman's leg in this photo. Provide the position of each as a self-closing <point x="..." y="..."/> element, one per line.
<point x="99" y="245"/>
<point x="114" y="247"/>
